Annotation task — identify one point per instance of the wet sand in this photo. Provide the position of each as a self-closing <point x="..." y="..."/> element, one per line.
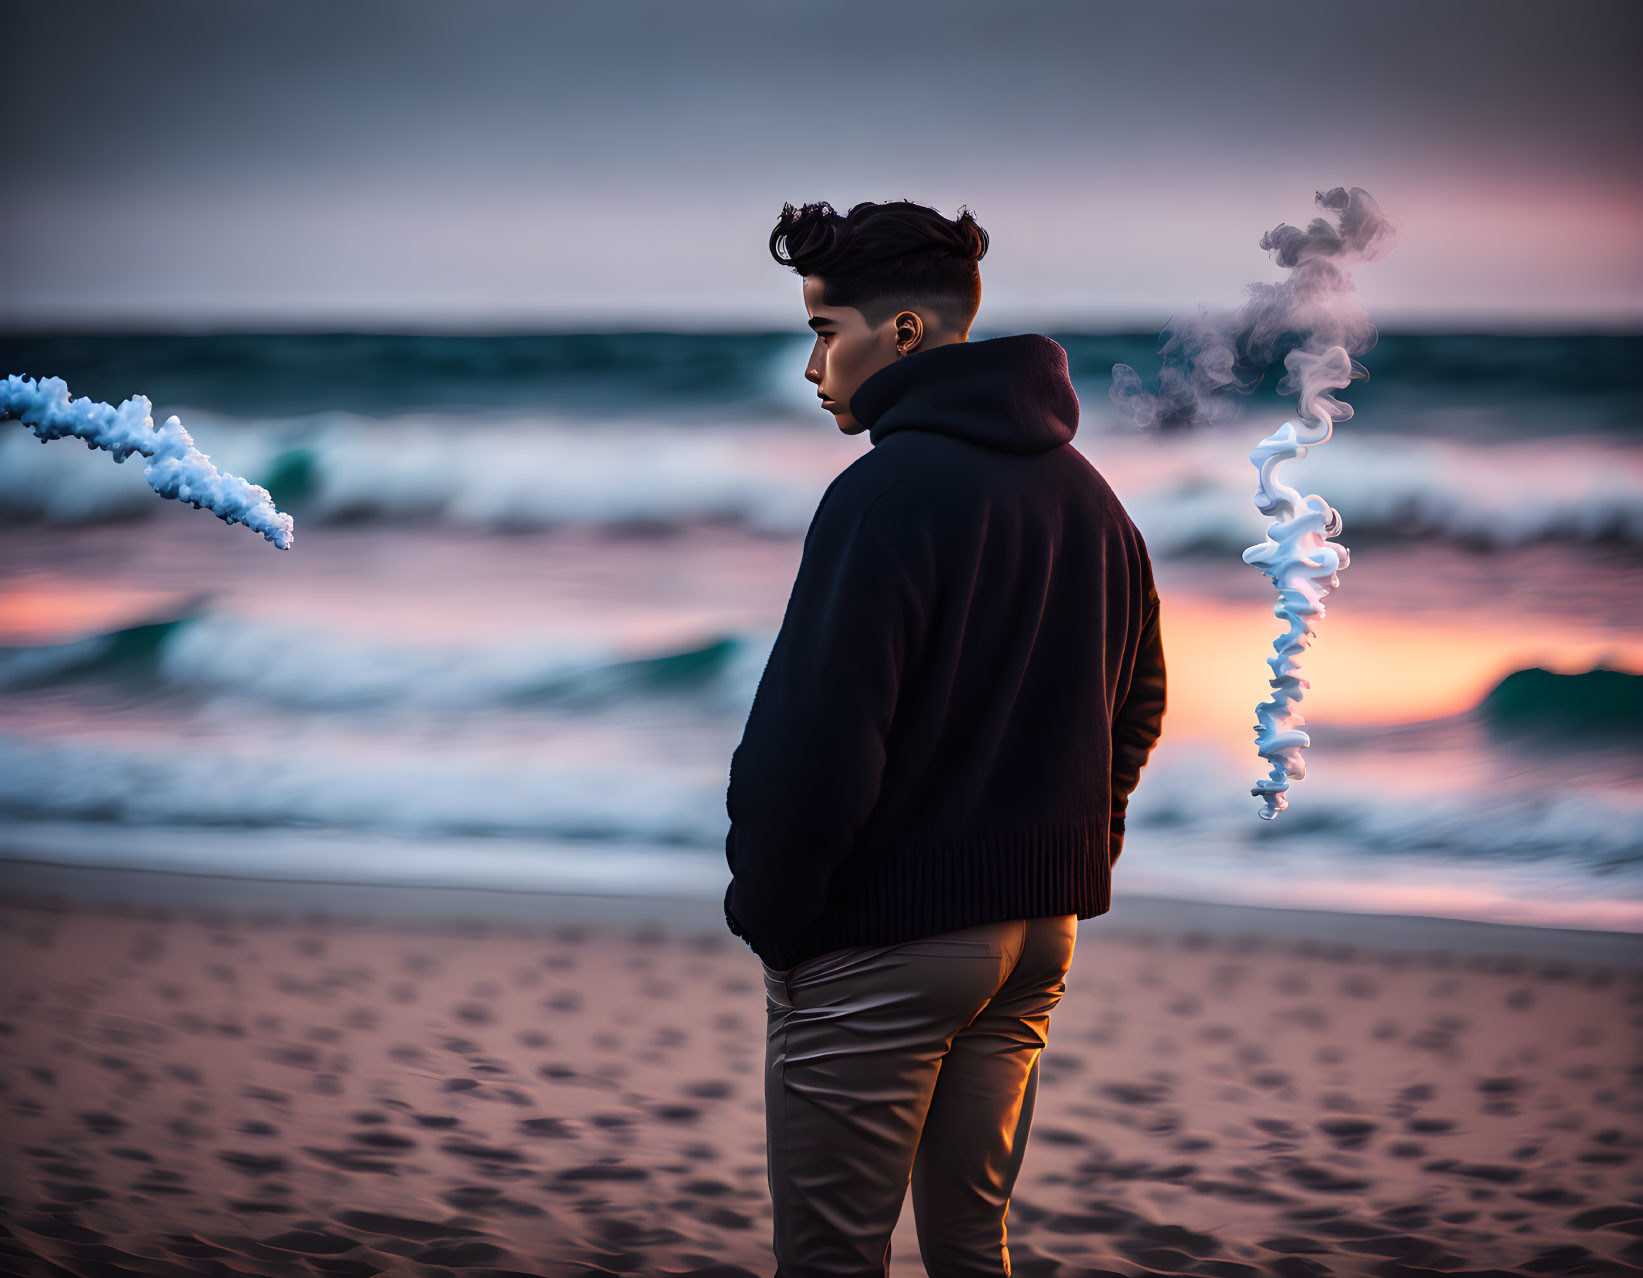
<point x="223" y="1079"/>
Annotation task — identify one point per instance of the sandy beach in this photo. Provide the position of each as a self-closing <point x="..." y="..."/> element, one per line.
<point x="223" y="1078"/>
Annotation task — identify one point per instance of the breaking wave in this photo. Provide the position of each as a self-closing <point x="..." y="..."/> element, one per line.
<point x="216" y="653"/>
<point x="1188" y="498"/>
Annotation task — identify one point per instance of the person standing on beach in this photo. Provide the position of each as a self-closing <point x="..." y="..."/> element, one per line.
<point x="931" y="786"/>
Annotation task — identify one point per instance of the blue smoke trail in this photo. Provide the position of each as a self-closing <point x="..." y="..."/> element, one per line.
<point x="1299" y="558"/>
<point x="175" y="467"/>
<point x="1313" y="320"/>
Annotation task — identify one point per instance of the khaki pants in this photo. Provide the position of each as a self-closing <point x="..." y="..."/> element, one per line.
<point x="914" y="1062"/>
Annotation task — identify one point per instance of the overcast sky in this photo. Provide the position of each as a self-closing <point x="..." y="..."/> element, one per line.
<point x="541" y="163"/>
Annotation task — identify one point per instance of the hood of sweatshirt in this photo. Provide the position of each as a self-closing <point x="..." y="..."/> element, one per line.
<point x="1008" y="393"/>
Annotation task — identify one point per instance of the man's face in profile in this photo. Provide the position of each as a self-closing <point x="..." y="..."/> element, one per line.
<point x="847" y="352"/>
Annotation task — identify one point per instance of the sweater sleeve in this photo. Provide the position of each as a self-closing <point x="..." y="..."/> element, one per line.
<point x="806" y="775"/>
<point x="1136" y="725"/>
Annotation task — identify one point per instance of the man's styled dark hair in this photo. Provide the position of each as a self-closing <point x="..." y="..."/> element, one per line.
<point x="885" y="258"/>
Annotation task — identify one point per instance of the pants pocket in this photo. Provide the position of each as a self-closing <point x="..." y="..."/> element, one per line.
<point x="935" y="945"/>
<point x="985" y="940"/>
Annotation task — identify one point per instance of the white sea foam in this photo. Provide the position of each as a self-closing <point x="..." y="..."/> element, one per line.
<point x="259" y="780"/>
<point x="416" y="786"/>
<point x="1190" y="495"/>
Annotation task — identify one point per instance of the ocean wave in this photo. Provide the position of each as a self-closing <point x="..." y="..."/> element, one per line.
<point x="253" y="374"/>
<point x="1203" y="794"/>
<point x="1188" y="797"/>
<point x="493" y="473"/>
<point x="1400" y="488"/>
<point x="198" y="649"/>
<point x="1600" y="706"/>
<point x="258" y="784"/>
<point x="271" y="373"/>
<point x="1190" y="497"/>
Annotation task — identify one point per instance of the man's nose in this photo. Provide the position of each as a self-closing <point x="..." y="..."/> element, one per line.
<point x="813" y="374"/>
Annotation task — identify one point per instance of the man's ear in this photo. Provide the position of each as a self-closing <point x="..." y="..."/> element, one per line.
<point x="909" y="332"/>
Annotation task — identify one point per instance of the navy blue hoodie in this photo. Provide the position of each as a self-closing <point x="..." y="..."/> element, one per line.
<point x="968" y="678"/>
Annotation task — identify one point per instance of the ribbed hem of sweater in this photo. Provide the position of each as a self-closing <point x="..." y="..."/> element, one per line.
<point x="1022" y="874"/>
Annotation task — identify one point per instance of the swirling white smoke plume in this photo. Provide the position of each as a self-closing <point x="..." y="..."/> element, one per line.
<point x="175" y="467"/>
<point x="1313" y="317"/>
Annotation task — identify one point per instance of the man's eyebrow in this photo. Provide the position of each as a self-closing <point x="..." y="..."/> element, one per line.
<point x="817" y="320"/>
